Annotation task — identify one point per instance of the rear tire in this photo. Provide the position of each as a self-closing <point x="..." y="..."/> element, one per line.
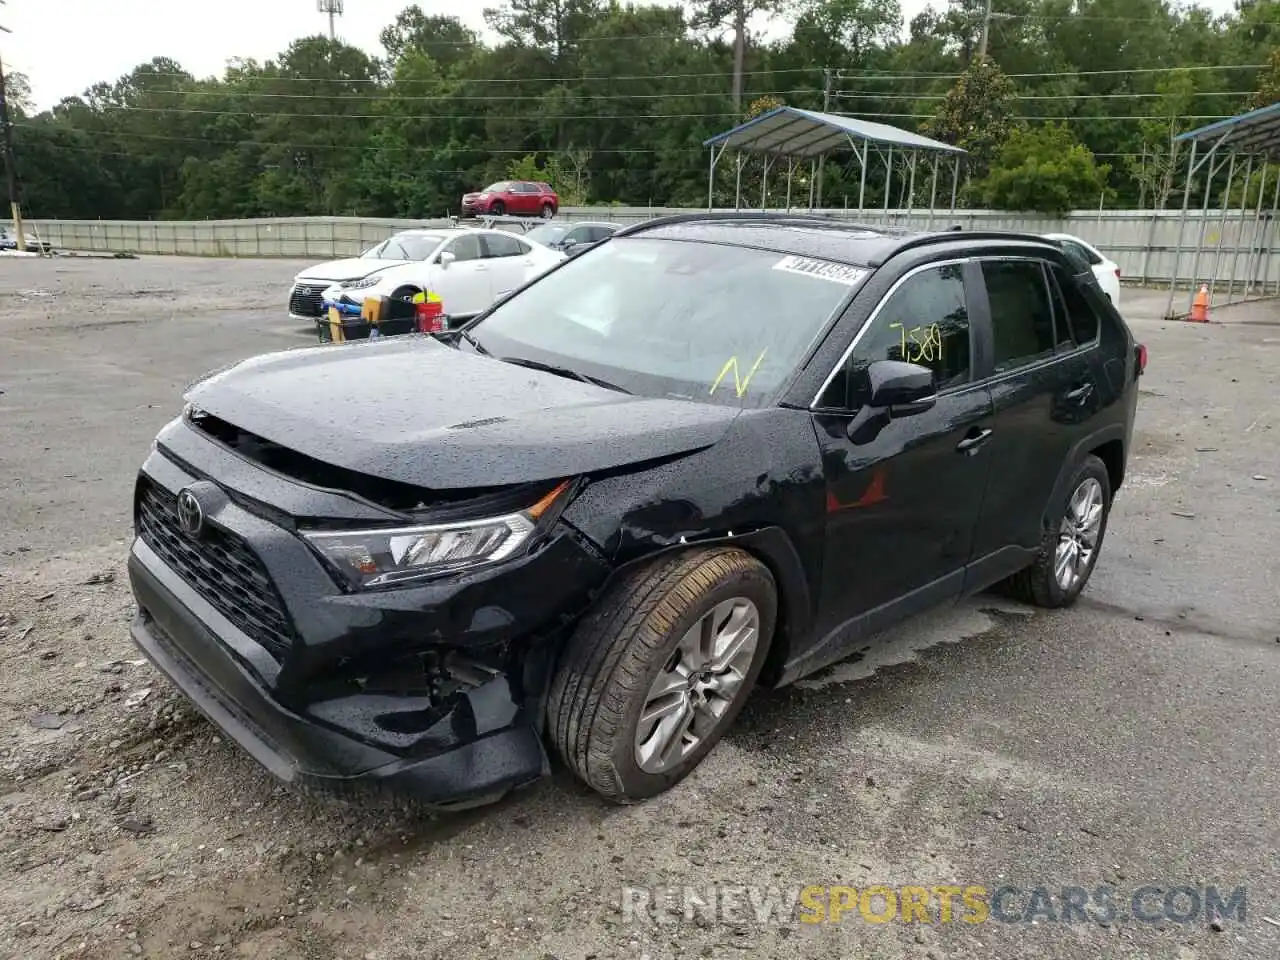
<point x="1060" y="573"/>
<point x="638" y="639"/>
<point x="548" y="211"/>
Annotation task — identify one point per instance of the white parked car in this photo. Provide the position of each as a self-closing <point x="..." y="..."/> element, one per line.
<point x="468" y="268"/>
<point x="407" y="246"/>
<point x="1107" y="271"/>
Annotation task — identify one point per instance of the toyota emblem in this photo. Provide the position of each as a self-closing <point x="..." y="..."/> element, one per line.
<point x="190" y="514"/>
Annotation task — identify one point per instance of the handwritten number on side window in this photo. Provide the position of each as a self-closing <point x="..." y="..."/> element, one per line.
<point x="920" y="343"/>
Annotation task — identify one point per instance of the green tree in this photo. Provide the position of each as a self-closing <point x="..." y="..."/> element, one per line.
<point x="844" y="33"/>
<point x="18" y="93"/>
<point x="717" y="15"/>
<point x="1044" y="169"/>
<point x="1157" y="168"/>
<point x="977" y="114"/>
<point x="1269" y="83"/>
<point x="446" y="40"/>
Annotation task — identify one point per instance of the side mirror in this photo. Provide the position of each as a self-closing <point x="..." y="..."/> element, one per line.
<point x="447" y="258"/>
<point x="904" y="389"/>
<point x="568" y="243"/>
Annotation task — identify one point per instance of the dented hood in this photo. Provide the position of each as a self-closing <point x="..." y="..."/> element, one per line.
<point x="413" y="410"/>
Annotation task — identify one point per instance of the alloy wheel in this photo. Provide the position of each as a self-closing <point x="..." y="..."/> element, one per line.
<point x="699" y="683"/>
<point x="1078" y="535"/>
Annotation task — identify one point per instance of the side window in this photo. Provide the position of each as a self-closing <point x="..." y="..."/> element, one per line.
<point x="1076" y="308"/>
<point x="1021" y="315"/>
<point x="579" y="235"/>
<point x="598" y="233"/>
<point x="924" y="321"/>
<point x="466" y="247"/>
<point x="501" y="245"/>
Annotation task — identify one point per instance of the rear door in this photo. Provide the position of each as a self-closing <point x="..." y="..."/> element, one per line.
<point x="903" y="505"/>
<point x="526" y="199"/>
<point x="464" y="285"/>
<point x="508" y="260"/>
<point x="1044" y="388"/>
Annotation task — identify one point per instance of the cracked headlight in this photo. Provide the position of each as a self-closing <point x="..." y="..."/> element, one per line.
<point x="402" y="555"/>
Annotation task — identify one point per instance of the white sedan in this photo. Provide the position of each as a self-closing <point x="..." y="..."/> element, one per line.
<point x="468" y="268"/>
<point x="404" y="247"/>
<point x="1106" y="270"/>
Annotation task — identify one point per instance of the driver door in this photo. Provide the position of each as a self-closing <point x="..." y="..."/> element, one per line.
<point x="465" y="285"/>
<point x="903" y="502"/>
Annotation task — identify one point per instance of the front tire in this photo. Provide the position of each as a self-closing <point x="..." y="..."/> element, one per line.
<point x="405" y="293"/>
<point x="658" y="670"/>
<point x="497" y="208"/>
<point x="1070" y="547"/>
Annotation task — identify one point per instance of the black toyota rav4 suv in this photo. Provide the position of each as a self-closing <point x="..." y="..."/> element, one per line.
<point x="712" y="452"/>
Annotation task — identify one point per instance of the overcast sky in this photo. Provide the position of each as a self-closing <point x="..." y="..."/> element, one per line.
<point x="64" y="46"/>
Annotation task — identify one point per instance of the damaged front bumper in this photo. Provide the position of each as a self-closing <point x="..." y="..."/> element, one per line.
<point x="435" y="691"/>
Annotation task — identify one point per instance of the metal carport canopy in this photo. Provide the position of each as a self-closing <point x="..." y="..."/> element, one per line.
<point x="1256" y="132"/>
<point x="1251" y="137"/>
<point x="792" y="132"/>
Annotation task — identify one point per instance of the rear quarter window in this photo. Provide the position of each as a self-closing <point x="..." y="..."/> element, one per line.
<point x="1078" y="313"/>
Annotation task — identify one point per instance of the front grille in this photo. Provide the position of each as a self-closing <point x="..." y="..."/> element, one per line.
<point x="220" y="567"/>
<point x="305" y="299"/>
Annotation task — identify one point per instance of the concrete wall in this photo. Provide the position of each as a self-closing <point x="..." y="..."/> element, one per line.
<point x="1142" y="243"/>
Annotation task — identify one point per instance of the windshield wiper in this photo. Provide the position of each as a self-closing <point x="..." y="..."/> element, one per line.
<point x="564" y="372"/>
<point x="474" y="342"/>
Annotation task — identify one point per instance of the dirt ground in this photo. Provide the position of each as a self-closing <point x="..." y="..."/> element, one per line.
<point x="1129" y="741"/>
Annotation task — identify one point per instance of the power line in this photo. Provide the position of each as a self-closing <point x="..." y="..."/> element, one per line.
<point x="873" y="94"/>
<point x="871" y="75"/>
<point x="846" y="95"/>
<point x="261" y="115"/>
<point x="625" y="151"/>
<point x="492" y="97"/>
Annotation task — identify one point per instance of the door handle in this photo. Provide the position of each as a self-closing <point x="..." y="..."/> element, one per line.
<point x="1081" y="393"/>
<point x="973" y="441"/>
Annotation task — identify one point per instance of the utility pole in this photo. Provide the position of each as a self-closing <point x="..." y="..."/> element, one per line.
<point x="739" y="52"/>
<point x="334" y="9"/>
<point x="10" y="165"/>
<point x="827" y="77"/>
<point x="986" y="31"/>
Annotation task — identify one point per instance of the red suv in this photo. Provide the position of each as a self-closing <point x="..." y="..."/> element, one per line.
<point x="521" y="198"/>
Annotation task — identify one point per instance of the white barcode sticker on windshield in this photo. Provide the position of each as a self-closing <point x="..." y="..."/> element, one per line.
<point x="822" y="269"/>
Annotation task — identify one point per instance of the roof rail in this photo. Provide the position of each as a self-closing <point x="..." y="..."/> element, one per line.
<point x="948" y="236"/>
<point x="747" y="216"/>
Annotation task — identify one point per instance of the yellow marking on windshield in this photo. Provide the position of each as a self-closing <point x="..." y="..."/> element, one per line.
<point x="739" y="384"/>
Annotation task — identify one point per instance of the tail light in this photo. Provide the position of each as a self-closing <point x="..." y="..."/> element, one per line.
<point x="429" y="316"/>
<point x="1140" y="351"/>
<point x="1117" y="273"/>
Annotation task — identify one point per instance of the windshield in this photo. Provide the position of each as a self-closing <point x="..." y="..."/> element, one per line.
<point x="671" y="318"/>
<point x="501" y="187"/>
<point x="547" y="234"/>
<point x="416" y="246"/>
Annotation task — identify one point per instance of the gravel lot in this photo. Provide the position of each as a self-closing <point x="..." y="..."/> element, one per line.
<point x="1129" y="741"/>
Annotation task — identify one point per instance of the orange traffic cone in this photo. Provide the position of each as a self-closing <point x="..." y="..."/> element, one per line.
<point x="1200" y="305"/>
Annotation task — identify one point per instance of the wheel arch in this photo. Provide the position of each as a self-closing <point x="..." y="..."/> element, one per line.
<point x="411" y="286"/>
<point x="774" y="549"/>
<point x="1108" y="445"/>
